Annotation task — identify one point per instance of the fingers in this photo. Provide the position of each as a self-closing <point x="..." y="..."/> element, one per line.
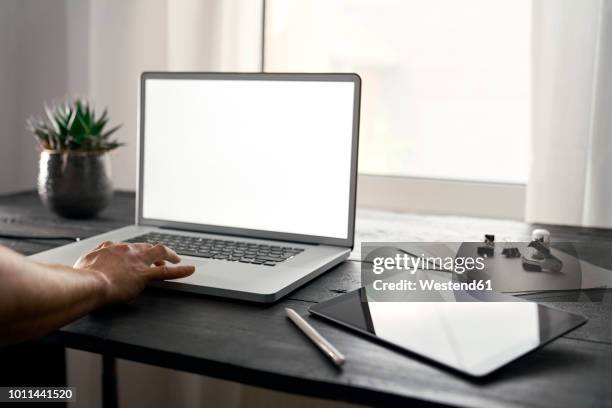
<point x="160" y="253"/>
<point x="141" y="246"/>
<point x="104" y="244"/>
<point x="138" y="245"/>
<point x="164" y="272"/>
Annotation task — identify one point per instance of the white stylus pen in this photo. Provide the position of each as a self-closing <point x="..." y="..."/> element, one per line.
<point x="323" y="345"/>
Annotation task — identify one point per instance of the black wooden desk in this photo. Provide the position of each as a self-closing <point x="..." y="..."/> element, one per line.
<point x="257" y="345"/>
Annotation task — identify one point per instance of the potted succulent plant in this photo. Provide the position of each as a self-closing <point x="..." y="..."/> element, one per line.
<point x="74" y="178"/>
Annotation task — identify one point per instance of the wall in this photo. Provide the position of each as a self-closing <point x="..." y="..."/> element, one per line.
<point x="54" y="48"/>
<point x="97" y="49"/>
<point x="40" y="49"/>
<point x="8" y="91"/>
<point x="42" y="71"/>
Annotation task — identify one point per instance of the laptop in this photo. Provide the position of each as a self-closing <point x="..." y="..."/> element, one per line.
<point x="249" y="177"/>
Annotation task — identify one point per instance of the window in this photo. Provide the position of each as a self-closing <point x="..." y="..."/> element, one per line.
<point x="446" y="83"/>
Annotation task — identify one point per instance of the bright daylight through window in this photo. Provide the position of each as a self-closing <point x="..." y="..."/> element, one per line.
<point x="446" y="83"/>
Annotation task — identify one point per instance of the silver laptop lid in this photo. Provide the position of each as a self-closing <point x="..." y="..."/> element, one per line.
<point x="259" y="155"/>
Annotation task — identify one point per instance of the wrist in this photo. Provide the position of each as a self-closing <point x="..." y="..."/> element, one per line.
<point x="100" y="285"/>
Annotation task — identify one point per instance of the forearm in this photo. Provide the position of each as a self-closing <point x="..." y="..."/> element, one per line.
<point x="36" y="299"/>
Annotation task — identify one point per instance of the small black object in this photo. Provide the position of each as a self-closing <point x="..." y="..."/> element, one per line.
<point x="488" y="249"/>
<point x="541" y="259"/>
<point x="511" y="252"/>
<point x="532" y="265"/>
<point x="540" y="247"/>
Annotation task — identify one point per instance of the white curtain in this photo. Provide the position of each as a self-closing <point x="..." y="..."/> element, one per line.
<point x="571" y="174"/>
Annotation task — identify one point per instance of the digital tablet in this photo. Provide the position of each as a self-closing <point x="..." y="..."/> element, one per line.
<point x="473" y="337"/>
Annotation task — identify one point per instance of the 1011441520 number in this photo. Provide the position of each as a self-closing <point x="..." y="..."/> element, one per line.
<point x="46" y="393"/>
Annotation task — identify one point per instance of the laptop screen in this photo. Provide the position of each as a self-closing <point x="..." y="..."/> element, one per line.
<point x="266" y="155"/>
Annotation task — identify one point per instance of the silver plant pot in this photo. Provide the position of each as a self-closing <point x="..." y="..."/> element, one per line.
<point x="75" y="184"/>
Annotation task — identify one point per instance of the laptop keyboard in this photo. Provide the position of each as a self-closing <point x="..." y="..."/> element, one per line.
<point x="233" y="251"/>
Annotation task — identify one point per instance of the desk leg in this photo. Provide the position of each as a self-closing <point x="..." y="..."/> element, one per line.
<point x="109" y="383"/>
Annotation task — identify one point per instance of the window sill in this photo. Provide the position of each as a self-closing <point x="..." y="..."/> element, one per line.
<point x="444" y="197"/>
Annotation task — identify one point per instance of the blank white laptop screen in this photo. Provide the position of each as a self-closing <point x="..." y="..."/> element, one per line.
<point x="268" y="155"/>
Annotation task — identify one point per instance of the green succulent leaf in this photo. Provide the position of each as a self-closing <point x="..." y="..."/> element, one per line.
<point x="96" y="127"/>
<point x="106" y="135"/>
<point x="73" y="126"/>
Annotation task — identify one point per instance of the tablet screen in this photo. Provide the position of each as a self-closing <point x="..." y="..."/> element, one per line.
<point x="473" y="337"/>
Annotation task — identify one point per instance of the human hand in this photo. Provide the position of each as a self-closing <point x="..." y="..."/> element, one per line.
<point x="125" y="269"/>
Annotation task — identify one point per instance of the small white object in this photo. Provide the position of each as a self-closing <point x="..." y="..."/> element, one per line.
<point x="541" y="235"/>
